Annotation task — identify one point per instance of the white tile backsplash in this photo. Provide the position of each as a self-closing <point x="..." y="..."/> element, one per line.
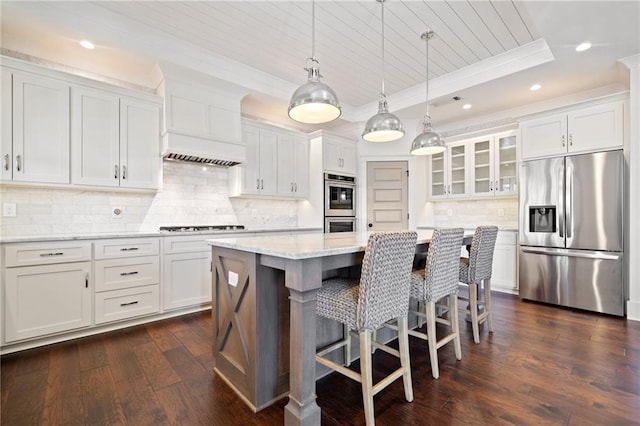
<point x="502" y="212"/>
<point x="191" y="195"/>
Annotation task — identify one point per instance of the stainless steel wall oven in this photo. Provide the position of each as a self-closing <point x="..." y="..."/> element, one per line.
<point x="339" y="203"/>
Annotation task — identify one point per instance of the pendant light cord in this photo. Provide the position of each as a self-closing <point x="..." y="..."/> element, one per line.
<point x="313" y="30"/>
<point x="382" y="16"/>
<point x="427" y="75"/>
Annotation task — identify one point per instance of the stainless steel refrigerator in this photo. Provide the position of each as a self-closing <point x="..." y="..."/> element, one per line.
<point x="571" y="231"/>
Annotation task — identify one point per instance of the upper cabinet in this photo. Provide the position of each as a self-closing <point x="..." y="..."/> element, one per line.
<point x="115" y="140"/>
<point x="35" y="123"/>
<point x="590" y="128"/>
<point x="58" y="128"/>
<point x="277" y="164"/>
<point x="493" y="168"/>
<point x="450" y="172"/>
<point x="339" y="155"/>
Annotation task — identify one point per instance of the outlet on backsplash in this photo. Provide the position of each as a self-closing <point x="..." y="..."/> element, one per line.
<point x="117" y="212"/>
<point x="500" y="212"/>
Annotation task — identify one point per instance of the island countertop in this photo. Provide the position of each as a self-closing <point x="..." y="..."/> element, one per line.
<point x="306" y="245"/>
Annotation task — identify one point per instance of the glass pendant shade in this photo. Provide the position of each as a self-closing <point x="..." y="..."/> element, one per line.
<point x="384" y="126"/>
<point x="428" y="142"/>
<point x="314" y="102"/>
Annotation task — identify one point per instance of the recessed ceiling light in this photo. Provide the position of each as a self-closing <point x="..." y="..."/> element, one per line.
<point x="583" y="46"/>
<point x="535" y="87"/>
<point x="466" y="106"/>
<point x="87" y="44"/>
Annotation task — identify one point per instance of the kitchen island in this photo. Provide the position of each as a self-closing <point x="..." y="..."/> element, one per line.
<point x="263" y="348"/>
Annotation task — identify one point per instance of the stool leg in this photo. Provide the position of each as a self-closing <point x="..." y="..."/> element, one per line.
<point x="347" y="346"/>
<point x="366" y="377"/>
<point x="487" y="303"/>
<point x="455" y="325"/>
<point x="473" y="307"/>
<point x="403" y="347"/>
<point x="430" y="308"/>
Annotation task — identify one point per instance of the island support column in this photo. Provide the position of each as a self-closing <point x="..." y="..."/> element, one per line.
<point x="303" y="278"/>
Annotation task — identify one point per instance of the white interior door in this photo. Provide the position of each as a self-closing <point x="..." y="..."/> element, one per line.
<point x="387" y="191"/>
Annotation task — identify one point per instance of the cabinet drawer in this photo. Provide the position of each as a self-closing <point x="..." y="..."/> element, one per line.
<point x="112" y="274"/>
<point x="191" y="244"/>
<point x="126" y="247"/>
<point x="128" y="303"/>
<point x="46" y="254"/>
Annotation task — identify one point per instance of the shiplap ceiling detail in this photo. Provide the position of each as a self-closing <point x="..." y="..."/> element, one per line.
<point x="486" y="51"/>
<point x="275" y="37"/>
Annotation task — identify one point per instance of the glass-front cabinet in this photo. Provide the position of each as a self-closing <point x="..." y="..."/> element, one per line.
<point x="449" y="171"/>
<point x="476" y="167"/>
<point x="494" y="165"/>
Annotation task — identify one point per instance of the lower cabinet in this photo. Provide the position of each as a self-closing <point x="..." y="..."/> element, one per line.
<point x="46" y="299"/>
<point x="187" y="272"/>
<point x="505" y="263"/>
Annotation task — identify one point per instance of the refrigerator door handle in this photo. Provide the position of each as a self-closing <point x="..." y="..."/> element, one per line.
<point x="569" y="201"/>
<point x="572" y="253"/>
<point x="561" y="212"/>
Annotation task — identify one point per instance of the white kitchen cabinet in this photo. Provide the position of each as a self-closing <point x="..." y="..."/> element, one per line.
<point x="6" y="125"/>
<point x="505" y="263"/>
<point x="186" y="271"/>
<point x="139" y="144"/>
<point x="115" y="140"/>
<point x="293" y="166"/>
<point x="39" y="147"/>
<point x="47" y="289"/>
<point x="450" y="172"/>
<point x="127" y="278"/>
<point x="258" y="175"/>
<point x="493" y="169"/>
<point x="339" y="155"/>
<point x="590" y="128"/>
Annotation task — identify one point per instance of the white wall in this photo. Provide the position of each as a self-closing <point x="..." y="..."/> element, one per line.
<point x="191" y="195"/>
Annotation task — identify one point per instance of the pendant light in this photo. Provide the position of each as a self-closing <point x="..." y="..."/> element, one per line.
<point x="384" y="126"/>
<point x="428" y="142"/>
<point x="314" y="102"/>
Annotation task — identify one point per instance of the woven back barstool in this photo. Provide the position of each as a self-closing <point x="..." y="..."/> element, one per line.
<point x="439" y="280"/>
<point x="475" y="271"/>
<point x="381" y="294"/>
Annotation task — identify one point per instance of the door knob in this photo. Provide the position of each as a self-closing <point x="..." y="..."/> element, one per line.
<point x="371" y="225"/>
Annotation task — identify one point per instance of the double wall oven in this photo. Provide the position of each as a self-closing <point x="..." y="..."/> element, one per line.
<point x="339" y="203"/>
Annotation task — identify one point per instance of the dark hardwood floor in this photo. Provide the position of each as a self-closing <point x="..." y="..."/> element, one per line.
<point x="542" y="365"/>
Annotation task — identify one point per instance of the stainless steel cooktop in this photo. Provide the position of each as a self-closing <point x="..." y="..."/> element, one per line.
<point x="199" y="228"/>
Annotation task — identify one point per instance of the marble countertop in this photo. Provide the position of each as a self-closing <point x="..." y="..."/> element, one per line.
<point x="500" y="229"/>
<point x="306" y="245"/>
<point x="139" y="234"/>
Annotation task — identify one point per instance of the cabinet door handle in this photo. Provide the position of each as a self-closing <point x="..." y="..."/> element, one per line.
<point x="261" y="183"/>
<point x="257" y="183"/>
<point x="115" y="172"/>
<point x="129" y="248"/>
<point x="291" y="186"/>
<point x="124" y="274"/>
<point x="124" y="172"/>
<point x="58" y="253"/>
<point x="497" y="187"/>
<point x="6" y="161"/>
<point x="18" y="163"/>
<point x="135" y="302"/>
<point x="295" y="186"/>
<point x="570" y="139"/>
<point x="86" y="280"/>
<point x="563" y="140"/>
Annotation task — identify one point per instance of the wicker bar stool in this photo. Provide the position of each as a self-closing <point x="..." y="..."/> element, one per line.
<point x="439" y="280"/>
<point x="381" y="294"/>
<point x="475" y="271"/>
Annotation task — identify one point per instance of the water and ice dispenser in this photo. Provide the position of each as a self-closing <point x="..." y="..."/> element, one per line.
<point x="542" y="219"/>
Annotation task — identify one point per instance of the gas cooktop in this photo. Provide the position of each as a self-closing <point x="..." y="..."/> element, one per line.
<point x="198" y="228"/>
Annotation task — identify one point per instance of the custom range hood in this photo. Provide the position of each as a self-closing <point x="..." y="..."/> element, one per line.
<point x="202" y="121"/>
